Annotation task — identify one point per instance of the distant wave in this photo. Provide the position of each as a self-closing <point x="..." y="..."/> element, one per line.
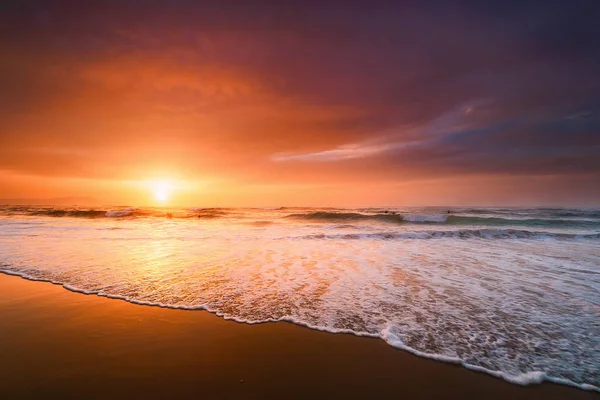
<point x="73" y="213"/>
<point x="210" y="209"/>
<point x="208" y="213"/>
<point x="92" y="213"/>
<point x="425" y="218"/>
<point x="325" y="216"/>
<point x="67" y="213"/>
<point x="548" y="222"/>
<point x="260" y="223"/>
<point x="346" y="216"/>
<point x="458" y="234"/>
<point x="544" y="218"/>
<point x="591" y="213"/>
<point x="127" y="212"/>
<point x="114" y="213"/>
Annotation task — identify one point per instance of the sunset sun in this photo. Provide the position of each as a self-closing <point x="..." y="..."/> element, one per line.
<point x="161" y="190"/>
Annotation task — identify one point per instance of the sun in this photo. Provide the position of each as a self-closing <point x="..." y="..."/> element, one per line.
<point x="162" y="190"/>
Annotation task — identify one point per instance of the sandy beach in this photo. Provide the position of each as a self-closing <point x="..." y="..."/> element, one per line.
<point x="58" y="343"/>
<point x="299" y="200"/>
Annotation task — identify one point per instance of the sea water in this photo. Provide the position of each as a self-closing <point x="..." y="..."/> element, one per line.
<point x="513" y="292"/>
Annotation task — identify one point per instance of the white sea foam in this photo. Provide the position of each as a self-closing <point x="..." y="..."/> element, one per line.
<point x="523" y="309"/>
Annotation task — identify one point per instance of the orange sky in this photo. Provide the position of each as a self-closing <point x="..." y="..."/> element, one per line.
<point x="294" y="107"/>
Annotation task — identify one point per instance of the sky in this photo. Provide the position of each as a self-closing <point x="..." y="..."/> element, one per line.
<point x="301" y="103"/>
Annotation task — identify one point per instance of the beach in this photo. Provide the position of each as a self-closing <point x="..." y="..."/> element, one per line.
<point x="57" y="343"/>
<point x="299" y="200"/>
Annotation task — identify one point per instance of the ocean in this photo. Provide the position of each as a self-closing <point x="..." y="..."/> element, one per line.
<point x="514" y="292"/>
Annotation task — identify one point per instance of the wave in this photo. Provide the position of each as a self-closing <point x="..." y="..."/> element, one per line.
<point x="201" y="209"/>
<point x="326" y="216"/>
<point x="90" y="213"/>
<point x="425" y="218"/>
<point x="392" y="217"/>
<point x="545" y="212"/>
<point x="208" y="213"/>
<point x="387" y="334"/>
<point x="458" y="234"/>
<point x="540" y="218"/>
<point x="115" y="212"/>
<point x="260" y="223"/>
<point x="127" y="212"/>
<point x="522" y="379"/>
<point x="68" y="213"/>
<point x="465" y="220"/>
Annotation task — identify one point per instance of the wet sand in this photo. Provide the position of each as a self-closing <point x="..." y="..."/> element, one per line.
<point x="56" y="343"/>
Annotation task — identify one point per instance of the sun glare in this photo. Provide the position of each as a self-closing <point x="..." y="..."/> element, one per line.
<point x="162" y="190"/>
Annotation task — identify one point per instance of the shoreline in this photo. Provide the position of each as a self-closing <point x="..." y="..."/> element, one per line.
<point x="526" y="379"/>
<point x="96" y="346"/>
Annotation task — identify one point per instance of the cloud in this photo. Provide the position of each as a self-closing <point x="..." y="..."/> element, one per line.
<point x="455" y="120"/>
<point x="453" y="144"/>
<point x="346" y="152"/>
<point x="300" y="91"/>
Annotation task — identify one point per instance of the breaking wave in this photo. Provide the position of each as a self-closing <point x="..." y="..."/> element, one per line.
<point x="397" y="218"/>
<point x="209" y="212"/>
<point x="459" y="234"/>
<point x="69" y="213"/>
<point x="468" y="217"/>
<point x="326" y="216"/>
<point x="121" y="212"/>
<point x="127" y="212"/>
<point x="466" y="220"/>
